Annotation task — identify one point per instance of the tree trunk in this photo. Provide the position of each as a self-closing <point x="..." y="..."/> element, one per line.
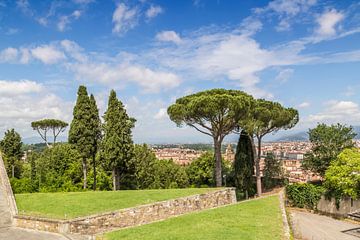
<point x="257" y="167"/>
<point x="114" y="178"/>
<point x="84" y="172"/>
<point x="218" y="174"/>
<point x="117" y="179"/>
<point x="94" y="169"/>
<point x="12" y="171"/>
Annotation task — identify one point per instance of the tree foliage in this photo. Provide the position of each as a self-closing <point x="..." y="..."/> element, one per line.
<point x="244" y="165"/>
<point x="201" y="170"/>
<point x="145" y="166"/>
<point x="273" y="171"/>
<point x="53" y="126"/>
<point x="81" y="134"/>
<point x="343" y="175"/>
<point x="326" y="144"/>
<point x="213" y="112"/>
<point x="117" y="144"/>
<point x="267" y="117"/>
<point x="11" y="148"/>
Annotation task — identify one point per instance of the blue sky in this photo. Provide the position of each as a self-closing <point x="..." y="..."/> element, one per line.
<point x="302" y="53"/>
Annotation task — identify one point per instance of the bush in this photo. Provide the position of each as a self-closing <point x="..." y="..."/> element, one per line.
<point x="24" y="185"/>
<point x="304" y="195"/>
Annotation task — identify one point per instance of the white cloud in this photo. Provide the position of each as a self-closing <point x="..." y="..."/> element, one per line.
<point x="9" y="55"/>
<point x="119" y="75"/>
<point x="168" y="36"/>
<point x="47" y="54"/>
<point x="15" y="88"/>
<point x="328" y="21"/>
<point x="161" y="114"/>
<point x="304" y="105"/>
<point x="65" y="20"/>
<point x="74" y="50"/>
<point x="124" y="18"/>
<point x="284" y="75"/>
<point x="338" y="111"/>
<point x="153" y="11"/>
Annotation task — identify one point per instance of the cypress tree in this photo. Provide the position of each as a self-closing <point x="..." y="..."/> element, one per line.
<point x="244" y="164"/>
<point x="80" y="134"/>
<point x="11" y="148"/>
<point x="95" y="132"/>
<point x="117" y="145"/>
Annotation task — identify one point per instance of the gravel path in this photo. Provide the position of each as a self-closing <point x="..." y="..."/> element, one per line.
<point x="308" y="226"/>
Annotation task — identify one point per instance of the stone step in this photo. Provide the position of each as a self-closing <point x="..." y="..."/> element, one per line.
<point x="355" y="216"/>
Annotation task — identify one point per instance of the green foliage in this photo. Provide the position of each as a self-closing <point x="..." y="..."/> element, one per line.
<point x="169" y="175"/>
<point x="304" y="195"/>
<point x="23" y="185"/>
<point x="11" y="148"/>
<point x="201" y="170"/>
<point x="244" y="165"/>
<point x="213" y="112"/>
<point x="342" y="178"/>
<point x="44" y="126"/>
<point x="273" y="172"/>
<point x="145" y="168"/>
<point x="59" y="169"/>
<point x="327" y="142"/>
<point x="117" y="144"/>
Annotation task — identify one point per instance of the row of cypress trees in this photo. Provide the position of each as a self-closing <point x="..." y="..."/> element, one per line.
<point x="111" y="141"/>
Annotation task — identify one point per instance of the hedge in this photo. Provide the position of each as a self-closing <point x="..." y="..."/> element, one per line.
<point x="304" y="195"/>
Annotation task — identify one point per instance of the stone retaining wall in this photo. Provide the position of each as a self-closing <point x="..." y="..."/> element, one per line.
<point x="5" y="185"/>
<point x="346" y="206"/>
<point x="129" y="217"/>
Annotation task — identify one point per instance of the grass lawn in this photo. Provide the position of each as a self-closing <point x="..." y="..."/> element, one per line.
<point x="77" y="204"/>
<point x="259" y="219"/>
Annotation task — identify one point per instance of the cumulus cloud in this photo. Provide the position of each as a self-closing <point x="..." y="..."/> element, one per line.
<point x="328" y="22"/>
<point x="47" y="54"/>
<point x="337" y="111"/>
<point x="15" y="88"/>
<point x="153" y="11"/>
<point x="168" y="36"/>
<point x="9" y="54"/>
<point x="124" y="18"/>
<point x="120" y="75"/>
<point x="161" y="114"/>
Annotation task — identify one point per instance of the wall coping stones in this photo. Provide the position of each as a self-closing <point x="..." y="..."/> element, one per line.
<point x="4" y="179"/>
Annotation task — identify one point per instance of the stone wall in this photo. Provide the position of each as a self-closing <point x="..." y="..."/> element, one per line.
<point x="131" y="216"/>
<point x="347" y="206"/>
<point x="7" y="190"/>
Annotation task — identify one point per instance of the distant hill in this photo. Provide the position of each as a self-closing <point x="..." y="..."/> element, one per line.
<point x="303" y="136"/>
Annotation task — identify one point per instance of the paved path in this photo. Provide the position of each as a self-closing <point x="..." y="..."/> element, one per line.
<point x="308" y="226"/>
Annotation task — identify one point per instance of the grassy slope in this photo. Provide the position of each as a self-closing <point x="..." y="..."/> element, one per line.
<point x="259" y="219"/>
<point x="71" y="205"/>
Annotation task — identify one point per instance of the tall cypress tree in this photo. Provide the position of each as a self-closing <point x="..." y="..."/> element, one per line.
<point x="95" y="132"/>
<point x="80" y="133"/>
<point x="117" y="145"/>
<point x="244" y="164"/>
<point x="11" y="148"/>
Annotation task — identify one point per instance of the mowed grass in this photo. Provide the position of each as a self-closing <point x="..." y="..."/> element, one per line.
<point x="258" y="219"/>
<point x="78" y="204"/>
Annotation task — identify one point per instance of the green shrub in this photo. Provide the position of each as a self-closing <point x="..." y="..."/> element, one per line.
<point x="24" y="185"/>
<point x="304" y="195"/>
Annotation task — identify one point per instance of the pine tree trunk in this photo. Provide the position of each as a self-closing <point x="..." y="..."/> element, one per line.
<point x="84" y="172"/>
<point x="94" y="167"/>
<point x="218" y="176"/>
<point x="114" y="178"/>
<point x="257" y="167"/>
<point x="13" y="171"/>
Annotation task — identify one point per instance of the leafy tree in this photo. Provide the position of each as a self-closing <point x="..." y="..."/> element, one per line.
<point x="117" y="145"/>
<point x="343" y="175"/>
<point x="144" y="161"/>
<point x="81" y="132"/>
<point x="95" y="128"/>
<point x="326" y="144"/>
<point x="213" y="112"/>
<point x="169" y="175"/>
<point x="11" y="148"/>
<point x="244" y="164"/>
<point x="267" y="117"/>
<point x="44" y="126"/>
<point x="273" y="171"/>
<point x="201" y="170"/>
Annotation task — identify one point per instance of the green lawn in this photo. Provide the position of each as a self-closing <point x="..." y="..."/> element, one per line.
<point x="77" y="204"/>
<point x="259" y="219"/>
